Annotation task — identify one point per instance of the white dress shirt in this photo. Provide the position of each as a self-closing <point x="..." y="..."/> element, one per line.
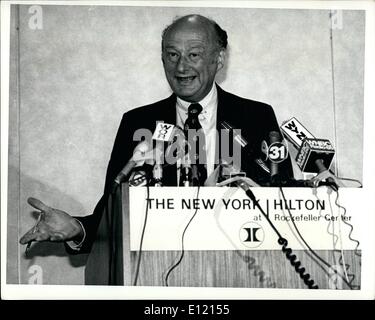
<point x="207" y="119"/>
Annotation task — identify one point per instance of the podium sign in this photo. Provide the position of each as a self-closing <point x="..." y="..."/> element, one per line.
<point x="228" y="242"/>
<point x="226" y="219"/>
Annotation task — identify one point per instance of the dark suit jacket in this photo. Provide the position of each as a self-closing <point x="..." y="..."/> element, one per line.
<point x="255" y="119"/>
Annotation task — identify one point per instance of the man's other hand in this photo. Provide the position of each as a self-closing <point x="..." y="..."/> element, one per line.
<point x="54" y="225"/>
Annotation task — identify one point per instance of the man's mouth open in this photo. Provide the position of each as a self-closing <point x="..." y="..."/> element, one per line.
<point x="185" y="80"/>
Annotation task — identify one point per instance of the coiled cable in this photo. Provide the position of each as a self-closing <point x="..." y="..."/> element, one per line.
<point x="292" y="258"/>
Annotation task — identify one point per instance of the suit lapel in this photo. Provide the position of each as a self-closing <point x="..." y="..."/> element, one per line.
<point x="224" y="113"/>
<point x="168" y="113"/>
<point x="221" y="97"/>
<point x="227" y="110"/>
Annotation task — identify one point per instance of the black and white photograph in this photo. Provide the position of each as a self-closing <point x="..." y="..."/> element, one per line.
<point x="192" y="149"/>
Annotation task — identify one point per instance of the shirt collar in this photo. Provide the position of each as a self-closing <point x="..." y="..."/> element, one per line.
<point x="208" y="103"/>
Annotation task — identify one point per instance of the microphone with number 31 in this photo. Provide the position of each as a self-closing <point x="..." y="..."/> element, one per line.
<point x="276" y="152"/>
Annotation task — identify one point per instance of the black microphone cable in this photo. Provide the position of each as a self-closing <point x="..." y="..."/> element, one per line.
<point x="284" y="243"/>
<point x="348" y="224"/>
<point x="307" y="252"/>
<point x="182" y="243"/>
<point x="349" y="276"/>
<point x="139" y="256"/>
<point x="310" y="249"/>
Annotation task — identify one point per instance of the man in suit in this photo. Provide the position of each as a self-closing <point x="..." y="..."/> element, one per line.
<point x="193" y="51"/>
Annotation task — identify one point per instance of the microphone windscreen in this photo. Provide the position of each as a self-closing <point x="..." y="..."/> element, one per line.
<point x="313" y="150"/>
<point x="274" y="137"/>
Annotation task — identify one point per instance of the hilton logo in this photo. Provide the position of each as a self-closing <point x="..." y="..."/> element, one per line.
<point x="251" y="235"/>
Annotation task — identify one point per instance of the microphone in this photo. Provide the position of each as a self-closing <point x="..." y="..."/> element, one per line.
<point x="321" y="169"/>
<point x="189" y="173"/>
<point x="140" y="175"/>
<point x="140" y="154"/>
<point x="246" y="147"/>
<point x="276" y="153"/>
<point x="314" y="155"/>
<point x="312" y="183"/>
<point x="274" y="166"/>
<point x="144" y="154"/>
<point x="177" y="147"/>
<point x="163" y="133"/>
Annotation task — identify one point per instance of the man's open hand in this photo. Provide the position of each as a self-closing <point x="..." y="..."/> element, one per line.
<point x="54" y="225"/>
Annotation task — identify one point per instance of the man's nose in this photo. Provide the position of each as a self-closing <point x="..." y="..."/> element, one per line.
<point x="182" y="64"/>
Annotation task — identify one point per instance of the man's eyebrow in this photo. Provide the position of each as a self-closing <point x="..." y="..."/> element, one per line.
<point x="197" y="47"/>
<point x="170" y="47"/>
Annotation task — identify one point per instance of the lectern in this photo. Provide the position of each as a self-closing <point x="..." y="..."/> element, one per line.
<point x="112" y="262"/>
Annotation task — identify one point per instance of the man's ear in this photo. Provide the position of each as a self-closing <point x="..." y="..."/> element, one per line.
<point x="220" y="60"/>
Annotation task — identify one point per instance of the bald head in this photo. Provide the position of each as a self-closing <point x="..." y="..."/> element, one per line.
<point x="193" y="51"/>
<point x="195" y="21"/>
